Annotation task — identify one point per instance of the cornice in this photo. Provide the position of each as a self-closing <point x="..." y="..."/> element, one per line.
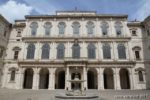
<point x="80" y="39"/>
<point x="80" y="62"/>
<point x="75" y="16"/>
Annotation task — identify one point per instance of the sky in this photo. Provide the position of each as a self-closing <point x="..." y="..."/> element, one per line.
<point x="17" y="9"/>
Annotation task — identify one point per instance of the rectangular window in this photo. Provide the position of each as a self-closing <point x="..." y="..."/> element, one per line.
<point x="134" y="33"/>
<point x="16" y="55"/>
<point x="148" y="33"/>
<point x="12" y="77"/>
<point x="1" y="53"/>
<point x="5" y="33"/>
<point x="19" y="34"/>
<point x="137" y="55"/>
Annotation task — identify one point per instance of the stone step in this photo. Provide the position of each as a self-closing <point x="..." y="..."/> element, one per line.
<point x="11" y="94"/>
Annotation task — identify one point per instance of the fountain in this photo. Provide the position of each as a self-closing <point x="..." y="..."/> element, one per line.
<point x="76" y="92"/>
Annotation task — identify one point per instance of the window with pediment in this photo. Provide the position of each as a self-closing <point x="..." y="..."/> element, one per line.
<point x="61" y="27"/>
<point x="90" y="27"/>
<point x="76" y="28"/>
<point x="30" y="51"/>
<point x="34" y="26"/>
<point x="47" y="27"/>
<point x="12" y="74"/>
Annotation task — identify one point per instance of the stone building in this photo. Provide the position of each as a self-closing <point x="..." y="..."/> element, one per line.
<point x="109" y="52"/>
<point x="5" y="28"/>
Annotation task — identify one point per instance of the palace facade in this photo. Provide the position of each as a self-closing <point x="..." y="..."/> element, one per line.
<point x="5" y="28"/>
<point x="109" y="52"/>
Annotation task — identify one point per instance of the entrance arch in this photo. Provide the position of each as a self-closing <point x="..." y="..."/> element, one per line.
<point x="44" y="79"/>
<point x="92" y="79"/>
<point x="124" y="79"/>
<point x="28" y="78"/>
<point x="108" y="79"/>
<point x="60" y="79"/>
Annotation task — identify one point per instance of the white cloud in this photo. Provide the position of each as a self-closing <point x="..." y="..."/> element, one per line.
<point x="12" y="10"/>
<point x="143" y="11"/>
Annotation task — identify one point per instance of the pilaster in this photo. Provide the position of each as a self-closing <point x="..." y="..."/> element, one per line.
<point x="101" y="79"/>
<point x="35" y="83"/>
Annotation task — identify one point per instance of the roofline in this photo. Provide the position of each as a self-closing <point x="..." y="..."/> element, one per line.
<point x="78" y="11"/>
<point x="77" y="16"/>
<point x="5" y="20"/>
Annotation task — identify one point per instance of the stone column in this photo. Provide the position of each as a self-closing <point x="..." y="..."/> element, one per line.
<point x="49" y="81"/>
<point x="99" y="48"/>
<point x="117" y="79"/>
<point x="52" y="78"/>
<point x="35" y="83"/>
<point x="115" y="52"/>
<point x="67" y="84"/>
<point x="36" y="54"/>
<point x="113" y="57"/>
<point x="101" y="79"/>
<point x="53" y="51"/>
<point x="98" y="76"/>
<point x="25" y="50"/>
<point x="21" y="78"/>
<point x="130" y="52"/>
<point x="84" y="50"/>
<point x="127" y="51"/>
<point x="131" y="78"/>
<point x="85" y="78"/>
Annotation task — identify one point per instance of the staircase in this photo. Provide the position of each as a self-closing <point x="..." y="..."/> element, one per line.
<point x="10" y="94"/>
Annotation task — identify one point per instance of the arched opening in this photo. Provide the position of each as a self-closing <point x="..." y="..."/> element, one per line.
<point x="92" y="79"/>
<point x="108" y="79"/>
<point x="124" y="79"/>
<point x="28" y="78"/>
<point x="44" y="79"/>
<point x="60" y="79"/>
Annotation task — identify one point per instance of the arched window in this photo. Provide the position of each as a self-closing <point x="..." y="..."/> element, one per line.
<point x="141" y="79"/>
<point x="104" y="26"/>
<point x="118" y="27"/>
<point x="76" y="51"/>
<point x="61" y="27"/>
<point x="90" y="27"/>
<point x="121" y="51"/>
<point x="106" y="51"/>
<point x="34" y="26"/>
<point x="30" y="51"/>
<point x="91" y="51"/>
<point x="47" y="27"/>
<point x="45" y="51"/>
<point x="76" y="28"/>
<point x="60" y="51"/>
